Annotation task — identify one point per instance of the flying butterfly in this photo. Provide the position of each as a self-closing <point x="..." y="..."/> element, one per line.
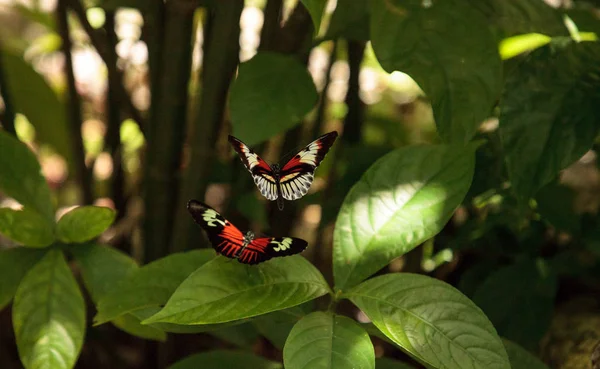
<point x="291" y="181"/>
<point x="229" y="241"/>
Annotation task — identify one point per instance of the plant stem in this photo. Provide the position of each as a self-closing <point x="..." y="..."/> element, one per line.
<point x="82" y="175"/>
<point x="166" y="130"/>
<point x="8" y="118"/>
<point x="221" y="56"/>
<point x="356" y="108"/>
<point x="109" y="56"/>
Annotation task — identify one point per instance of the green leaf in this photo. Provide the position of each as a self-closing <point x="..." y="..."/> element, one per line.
<point x="431" y="320"/>
<point x="326" y="341"/>
<point x="26" y="227"/>
<point x="150" y="285"/>
<point x="102" y="268"/>
<point x="405" y="198"/>
<point x="14" y="264"/>
<point x="242" y="335"/>
<point x="22" y="177"/>
<point x="513" y="17"/>
<point x="549" y="114"/>
<point x="224" y="290"/>
<point x="34" y="98"/>
<point x="386" y="363"/>
<point x="463" y="80"/>
<point x="131" y="324"/>
<point x="555" y="204"/>
<point x="315" y="9"/>
<point x="49" y="315"/>
<point x="516" y="45"/>
<point x="84" y="223"/>
<point x="521" y="358"/>
<point x="350" y="20"/>
<point x="219" y="359"/>
<point x="276" y="326"/>
<point x="273" y="92"/>
<point x="519" y="300"/>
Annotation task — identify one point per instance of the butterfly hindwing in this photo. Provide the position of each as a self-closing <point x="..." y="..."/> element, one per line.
<point x="225" y="238"/>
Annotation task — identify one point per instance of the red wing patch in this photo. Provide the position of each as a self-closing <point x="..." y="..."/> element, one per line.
<point x="251" y="160"/>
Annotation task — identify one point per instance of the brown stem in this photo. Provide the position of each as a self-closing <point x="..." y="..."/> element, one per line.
<point x="115" y="77"/>
<point x="82" y="175"/>
<point x="221" y="56"/>
<point x="8" y="118"/>
<point x="356" y="108"/>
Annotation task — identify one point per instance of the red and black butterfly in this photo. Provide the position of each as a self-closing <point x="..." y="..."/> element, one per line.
<point x="291" y="181"/>
<point x="230" y="242"/>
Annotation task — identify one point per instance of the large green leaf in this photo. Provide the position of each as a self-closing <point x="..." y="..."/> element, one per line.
<point x="431" y="320"/>
<point x="405" y="198"/>
<point x="84" y="223"/>
<point x="273" y="92"/>
<point x="34" y="98"/>
<point x="315" y="9"/>
<point x="26" y="227"/>
<point x="224" y="290"/>
<point x="519" y="300"/>
<point x="327" y="341"/>
<point x="350" y="20"/>
<point x="150" y="285"/>
<point x="22" y="177"/>
<point x="14" y="264"/>
<point x="131" y="324"/>
<point x="219" y="359"/>
<point x="549" y="113"/>
<point x="49" y="315"/>
<point x="521" y="358"/>
<point x="462" y="79"/>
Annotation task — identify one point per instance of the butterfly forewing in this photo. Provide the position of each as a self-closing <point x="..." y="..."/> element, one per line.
<point x="260" y="170"/>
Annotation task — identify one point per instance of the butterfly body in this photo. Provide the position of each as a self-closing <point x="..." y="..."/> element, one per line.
<point x="229" y="241"/>
<point x="292" y="180"/>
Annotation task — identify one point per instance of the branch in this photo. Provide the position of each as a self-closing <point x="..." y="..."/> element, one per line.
<point x="8" y="118"/>
<point x="221" y="56"/>
<point x="356" y="108"/>
<point x="82" y="174"/>
<point x="109" y="56"/>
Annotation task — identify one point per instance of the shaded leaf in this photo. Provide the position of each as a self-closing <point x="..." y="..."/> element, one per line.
<point x="131" y="324"/>
<point x="521" y="358"/>
<point x="26" y="227"/>
<point x="386" y="363"/>
<point x="150" y="285"/>
<point x="405" y="198"/>
<point x="463" y="80"/>
<point x="219" y="359"/>
<point x="555" y="203"/>
<point x="261" y="96"/>
<point x="276" y="326"/>
<point x="49" y="315"/>
<point x="241" y="335"/>
<point x="22" y="177"/>
<point x="350" y="20"/>
<point x="549" y="114"/>
<point x="34" y="98"/>
<point x="224" y="290"/>
<point x="84" y="223"/>
<point x="326" y="341"/>
<point x="14" y="264"/>
<point x="431" y="320"/>
<point x="519" y="300"/>
<point x="315" y="9"/>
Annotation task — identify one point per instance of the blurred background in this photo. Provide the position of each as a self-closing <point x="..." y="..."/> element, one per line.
<point x="125" y="104"/>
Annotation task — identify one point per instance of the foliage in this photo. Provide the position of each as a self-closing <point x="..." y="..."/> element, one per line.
<point x="494" y="197"/>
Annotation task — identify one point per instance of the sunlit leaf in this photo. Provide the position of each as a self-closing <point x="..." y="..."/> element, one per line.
<point x="513" y="46"/>
<point x="14" y="264"/>
<point x="431" y="320"/>
<point x="22" y="177"/>
<point x="549" y="113"/>
<point x="519" y="300"/>
<point x="521" y="358"/>
<point x="463" y="80"/>
<point x="84" y="223"/>
<point x="224" y="290"/>
<point x="327" y="341"/>
<point x="219" y="359"/>
<point x="49" y="315"/>
<point x="26" y="227"/>
<point x="405" y="198"/>
<point x="34" y="98"/>
<point x="150" y="285"/>
<point x="263" y="96"/>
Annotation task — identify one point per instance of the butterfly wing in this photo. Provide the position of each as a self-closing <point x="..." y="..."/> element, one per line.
<point x="265" y="248"/>
<point x="260" y="170"/>
<point x="298" y="173"/>
<point x="225" y="238"/>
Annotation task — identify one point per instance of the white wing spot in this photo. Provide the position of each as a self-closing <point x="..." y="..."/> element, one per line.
<point x="210" y="217"/>
<point x="285" y="244"/>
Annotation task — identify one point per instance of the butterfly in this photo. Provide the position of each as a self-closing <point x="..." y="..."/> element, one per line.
<point x="229" y="241"/>
<point x="291" y="181"/>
